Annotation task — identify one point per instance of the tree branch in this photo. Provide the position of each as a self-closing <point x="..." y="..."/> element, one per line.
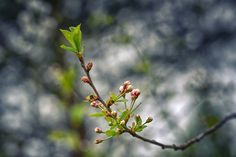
<point x="162" y="145"/>
<point x="191" y="141"/>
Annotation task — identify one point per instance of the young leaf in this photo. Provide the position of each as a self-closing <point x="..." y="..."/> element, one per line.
<point x="140" y="128"/>
<point x="69" y="37"/>
<point x="68" y="48"/>
<point x="124" y="115"/>
<point x="111" y="133"/>
<point x="98" y="114"/>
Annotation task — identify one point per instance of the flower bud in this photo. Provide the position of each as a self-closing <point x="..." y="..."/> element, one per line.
<point x="97" y="141"/>
<point x="91" y="98"/>
<point x="121" y="89"/>
<point x="127" y="83"/>
<point x="89" y="65"/>
<point x="94" y="104"/>
<point x="98" y="130"/>
<point x="135" y="93"/>
<point x="85" y="79"/>
<point x="149" y="119"/>
<point x="119" y="131"/>
<point x="122" y="122"/>
<point x="114" y="113"/>
<point x="129" y="88"/>
<point x="137" y="117"/>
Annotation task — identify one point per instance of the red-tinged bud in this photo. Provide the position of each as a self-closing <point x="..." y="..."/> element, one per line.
<point x="85" y="79"/>
<point x="97" y="141"/>
<point x="127" y="82"/>
<point x="135" y="93"/>
<point x="94" y="104"/>
<point x="98" y="130"/>
<point x="89" y="65"/>
<point x="149" y="119"/>
<point x="122" y="122"/>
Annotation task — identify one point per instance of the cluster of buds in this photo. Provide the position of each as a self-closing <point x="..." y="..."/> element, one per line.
<point x="126" y="87"/>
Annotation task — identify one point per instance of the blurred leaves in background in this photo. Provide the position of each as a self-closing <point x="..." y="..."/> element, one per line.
<point x="181" y="53"/>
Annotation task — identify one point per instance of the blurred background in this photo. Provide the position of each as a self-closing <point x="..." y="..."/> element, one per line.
<point x="181" y="54"/>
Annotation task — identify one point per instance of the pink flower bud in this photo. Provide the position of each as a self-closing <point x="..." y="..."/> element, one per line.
<point x="98" y="130"/>
<point x="89" y="65"/>
<point x="85" y="79"/>
<point x="97" y="141"/>
<point x="121" y="89"/>
<point x="127" y="82"/>
<point x="135" y="93"/>
<point x="94" y="104"/>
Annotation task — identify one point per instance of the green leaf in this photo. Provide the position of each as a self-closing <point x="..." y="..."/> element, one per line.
<point x="69" y="37"/>
<point x="67" y="48"/>
<point x="77" y="113"/>
<point x="138" y="121"/>
<point x="111" y="133"/>
<point x="124" y="115"/>
<point x="98" y="114"/>
<point x="140" y="128"/>
<point x="69" y="138"/>
<point x="77" y="38"/>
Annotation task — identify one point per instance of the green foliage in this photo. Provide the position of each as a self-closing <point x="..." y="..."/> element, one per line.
<point x="66" y="80"/>
<point x="69" y="138"/>
<point x="76" y="114"/>
<point x="99" y="19"/>
<point x="122" y="39"/>
<point x="97" y="114"/>
<point x="74" y="37"/>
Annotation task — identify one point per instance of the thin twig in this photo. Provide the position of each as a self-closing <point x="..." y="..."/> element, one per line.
<point x="162" y="145"/>
<point x="189" y="142"/>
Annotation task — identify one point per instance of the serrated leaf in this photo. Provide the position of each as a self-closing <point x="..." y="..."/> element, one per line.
<point x="69" y="37"/>
<point x="98" y="114"/>
<point x="111" y="133"/>
<point x="67" y="48"/>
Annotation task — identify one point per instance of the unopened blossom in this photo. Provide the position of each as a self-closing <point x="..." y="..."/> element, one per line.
<point x="85" y="79"/>
<point x="135" y="93"/>
<point x="149" y="119"/>
<point x="89" y="65"/>
<point x="94" y="104"/>
<point x="98" y="130"/>
<point x="122" y="122"/>
<point x="126" y="87"/>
